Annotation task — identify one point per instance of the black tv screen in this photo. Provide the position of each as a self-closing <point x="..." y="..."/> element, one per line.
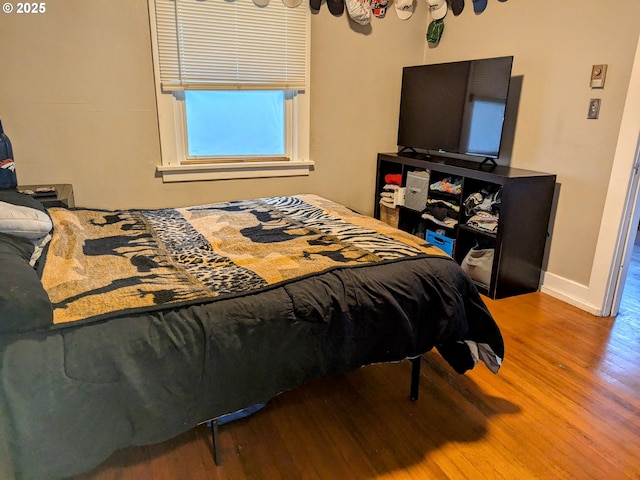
<point x="455" y="107"/>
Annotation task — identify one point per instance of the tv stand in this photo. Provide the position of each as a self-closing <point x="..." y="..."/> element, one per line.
<point x="520" y="240"/>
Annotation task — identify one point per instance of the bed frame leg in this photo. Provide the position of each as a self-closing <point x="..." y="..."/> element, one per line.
<point x="217" y="457"/>
<point x="415" y="377"/>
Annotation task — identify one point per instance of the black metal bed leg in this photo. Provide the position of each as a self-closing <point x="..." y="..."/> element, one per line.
<point x="217" y="457"/>
<point x="415" y="377"/>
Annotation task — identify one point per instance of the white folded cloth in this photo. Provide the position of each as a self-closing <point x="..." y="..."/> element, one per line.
<point x="392" y="195"/>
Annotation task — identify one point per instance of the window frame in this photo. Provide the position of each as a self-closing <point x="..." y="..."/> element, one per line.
<point x="175" y="164"/>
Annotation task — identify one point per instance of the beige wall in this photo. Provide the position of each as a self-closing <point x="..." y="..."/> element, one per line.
<point x="555" y="43"/>
<point x="76" y="98"/>
<point x="77" y="101"/>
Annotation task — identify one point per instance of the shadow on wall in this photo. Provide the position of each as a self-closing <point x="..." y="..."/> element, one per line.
<point x="510" y="120"/>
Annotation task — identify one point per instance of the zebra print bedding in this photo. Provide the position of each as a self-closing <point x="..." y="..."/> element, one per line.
<point x="102" y="264"/>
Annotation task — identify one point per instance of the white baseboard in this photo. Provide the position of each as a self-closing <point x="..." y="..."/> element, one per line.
<point x="569" y="291"/>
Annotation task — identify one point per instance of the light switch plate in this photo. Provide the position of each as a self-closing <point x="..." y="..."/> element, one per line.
<point x="598" y="73"/>
<point x="594" y="108"/>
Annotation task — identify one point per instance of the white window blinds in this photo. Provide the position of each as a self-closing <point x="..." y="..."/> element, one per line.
<point x="221" y="44"/>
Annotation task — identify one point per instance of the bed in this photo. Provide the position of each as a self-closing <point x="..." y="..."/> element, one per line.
<point x="122" y="328"/>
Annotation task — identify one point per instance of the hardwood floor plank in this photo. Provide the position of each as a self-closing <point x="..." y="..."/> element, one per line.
<point x="565" y="405"/>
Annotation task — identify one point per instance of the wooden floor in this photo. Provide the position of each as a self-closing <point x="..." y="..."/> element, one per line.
<point x="565" y="405"/>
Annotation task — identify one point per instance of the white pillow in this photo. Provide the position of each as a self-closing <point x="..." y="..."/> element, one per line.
<point x="24" y="222"/>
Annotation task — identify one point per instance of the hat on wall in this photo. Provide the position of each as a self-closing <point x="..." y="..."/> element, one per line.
<point x="359" y="11"/>
<point x="379" y="8"/>
<point x="404" y="8"/>
<point x="434" y="32"/>
<point x="438" y="8"/>
<point x="336" y="7"/>
<point x="479" y="5"/>
<point x="313" y="4"/>
<point x="261" y="3"/>
<point x="457" y="6"/>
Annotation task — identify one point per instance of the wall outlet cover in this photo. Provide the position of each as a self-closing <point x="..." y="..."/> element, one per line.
<point x="594" y="108"/>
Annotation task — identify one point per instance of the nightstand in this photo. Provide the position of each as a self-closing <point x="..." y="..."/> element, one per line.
<point x="62" y="198"/>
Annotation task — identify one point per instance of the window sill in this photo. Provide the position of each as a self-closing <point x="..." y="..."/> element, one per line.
<point x="227" y="171"/>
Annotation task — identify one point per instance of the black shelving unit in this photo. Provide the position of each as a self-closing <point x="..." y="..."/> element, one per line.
<point x="520" y="240"/>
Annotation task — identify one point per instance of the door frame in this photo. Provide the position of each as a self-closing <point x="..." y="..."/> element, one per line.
<point x="630" y="225"/>
<point x="613" y="247"/>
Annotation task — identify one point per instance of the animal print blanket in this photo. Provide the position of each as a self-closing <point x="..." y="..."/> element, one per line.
<point x="107" y="263"/>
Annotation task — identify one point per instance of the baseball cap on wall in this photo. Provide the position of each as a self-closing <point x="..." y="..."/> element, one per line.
<point x="336" y="7"/>
<point x="379" y="8"/>
<point x="359" y="11"/>
<point x="479" y="5"/>
<point x="434" y="32"/>
<point x="456" y="6"/>
<point x="438" y="8"/>
<point x="404" y="8"/>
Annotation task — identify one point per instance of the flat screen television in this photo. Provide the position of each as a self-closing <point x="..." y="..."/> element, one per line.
<point x="455" y="107"/>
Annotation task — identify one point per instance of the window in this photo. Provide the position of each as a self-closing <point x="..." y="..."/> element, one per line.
<point x="231" y="88"/>
<point x="235" y="123"/>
